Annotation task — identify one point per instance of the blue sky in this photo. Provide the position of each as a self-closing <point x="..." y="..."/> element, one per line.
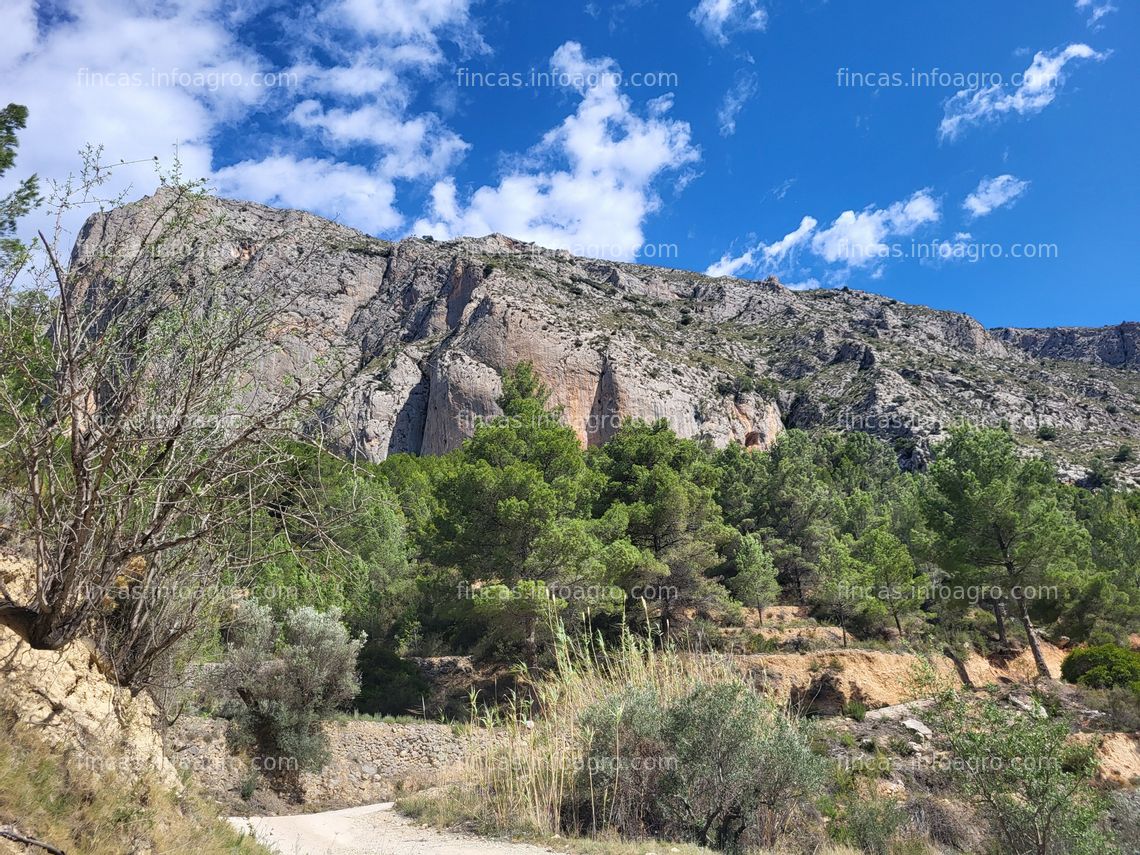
<point x="970" y="155"/>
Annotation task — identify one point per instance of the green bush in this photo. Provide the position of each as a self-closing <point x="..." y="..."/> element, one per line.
<point x="855" y="709"/>
<point x="283" y="680"/>
<point x="626" y="757"/>
<point x="870" y="824"/>
<point x="1047" y="432"/>
<point x="1104" y="666"/>
<point x="389" y="685"/>
<point x="720" y="766"/>
<point x="1024" y="774"/>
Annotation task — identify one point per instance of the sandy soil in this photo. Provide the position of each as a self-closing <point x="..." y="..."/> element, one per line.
<point x="369" y="830"/>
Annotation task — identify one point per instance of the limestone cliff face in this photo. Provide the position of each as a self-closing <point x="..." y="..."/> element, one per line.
<point x="429" y="327"/>
<point x="1117" y="346"/>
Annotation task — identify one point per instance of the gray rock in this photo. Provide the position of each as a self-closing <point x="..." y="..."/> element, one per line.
<point x="917" y="727"/>
<point x="1029" y="705"/>
<point x="430" y="326"/>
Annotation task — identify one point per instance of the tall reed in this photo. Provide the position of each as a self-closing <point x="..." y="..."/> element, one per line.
<point x="528" y="778"/>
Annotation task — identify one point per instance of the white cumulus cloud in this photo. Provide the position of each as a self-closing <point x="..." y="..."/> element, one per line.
<point x="1036" y="91"/>
<point x="143" y="79"/>
<point x="350" y="194"/>
<point x="385" y="49"/>
<point x="994" y="193"/>
<point x="410" y="30"/>
<point x="407" y="146"/>
<point x="859" y="239"/>
<point x="131" y="77"/>
<point x="589" y="184"/>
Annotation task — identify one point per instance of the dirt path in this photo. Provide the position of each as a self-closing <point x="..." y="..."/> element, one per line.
<point x="368" y="830"/>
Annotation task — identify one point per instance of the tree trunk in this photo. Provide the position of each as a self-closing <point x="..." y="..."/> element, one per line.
<point x="960" y="667"/>
<point x="531" y="642"/>
<point x="898" y="625"/>
<point x="666" y="617"/>
<point x="843" y="628"/>
<point x="760" y="613"/>
<point x="1031" y="634"/>
<point x="999" y="616"/>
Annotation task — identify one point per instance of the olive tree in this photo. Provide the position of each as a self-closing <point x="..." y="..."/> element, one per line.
<point x="285" y="679"/>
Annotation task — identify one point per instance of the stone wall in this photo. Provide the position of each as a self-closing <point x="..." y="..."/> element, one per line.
<point x="369" y="762"/>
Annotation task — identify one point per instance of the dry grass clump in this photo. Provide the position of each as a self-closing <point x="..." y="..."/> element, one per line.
<point x="530" y="771"/>
<point x="74" y="809"/>
<point x="631" y="742"/>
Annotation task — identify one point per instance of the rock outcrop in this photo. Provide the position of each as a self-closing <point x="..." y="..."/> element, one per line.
<point x="75" y="707"/>
<point x="73" y="703"/>
<point x="824" y="683"/>
<point x="429" y="327"/>
<point x="1117" y="346"/>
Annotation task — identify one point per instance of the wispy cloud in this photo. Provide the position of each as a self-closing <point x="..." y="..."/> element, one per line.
<point x="1095" y="9"/>
<point x="1036" y="90"/>
<point x="764" y="255"/>
<point x="781" y="189"/>
<point x="734" y="100"/>
<point x="994" y="193"/>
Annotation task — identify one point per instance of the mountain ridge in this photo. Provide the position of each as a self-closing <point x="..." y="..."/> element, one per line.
<point x="431" y="325"/>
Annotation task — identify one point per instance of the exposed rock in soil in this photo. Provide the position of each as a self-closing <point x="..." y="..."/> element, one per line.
<point x="76" y="707"/>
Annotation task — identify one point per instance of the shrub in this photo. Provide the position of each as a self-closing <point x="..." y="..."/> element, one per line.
<point x="855" y="709"/>
<point x="1096" y="476"/>
<point x="719" y="766"/>
<point x="1104" y="666"/>
<point x="389" y="685"/>
<point x="1024" y="774"/>
<point x="1120" y="705"/>
<point x="1124" y="817"/>
<point x="626" y="733"/>
<point x="1046" y="432"/>
<point x="1124" y="454"/>
<point x="870" y="824"/>
<point x="626" y="758"/>
<point x="284" y="679"/>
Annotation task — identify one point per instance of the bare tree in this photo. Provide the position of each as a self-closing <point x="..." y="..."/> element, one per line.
<point x="139" y="430"/>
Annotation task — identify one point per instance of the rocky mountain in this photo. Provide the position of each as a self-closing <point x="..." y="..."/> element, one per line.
<point x="429" y="326"/>
<point x="1118" y="346"/>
